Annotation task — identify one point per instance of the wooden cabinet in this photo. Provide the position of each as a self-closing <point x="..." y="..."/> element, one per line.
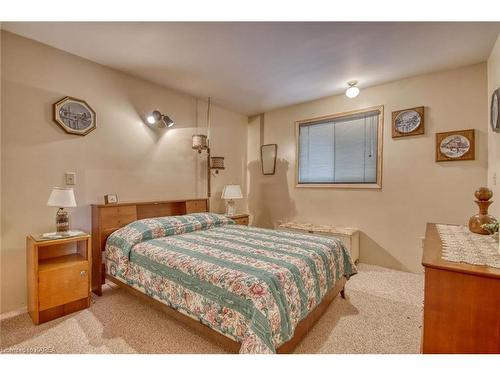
<point x="58" y="276"/>
<point x="241" y="219"/>
<point x="461" y="303"/>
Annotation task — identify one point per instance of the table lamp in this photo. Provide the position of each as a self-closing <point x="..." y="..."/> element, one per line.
<point x="230" y="193"/>
<point x="62" y="198"/>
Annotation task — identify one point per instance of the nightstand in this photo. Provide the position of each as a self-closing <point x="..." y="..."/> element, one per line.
<point x="241" y="219"/>
<point x="58" y="272"/>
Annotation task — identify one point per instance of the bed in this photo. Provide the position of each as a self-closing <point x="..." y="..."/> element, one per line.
<point x="254" y="290"/>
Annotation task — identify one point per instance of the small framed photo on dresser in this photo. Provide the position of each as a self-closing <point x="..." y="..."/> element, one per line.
<point x="110" y="199"/>
<point x="455" y="145"/>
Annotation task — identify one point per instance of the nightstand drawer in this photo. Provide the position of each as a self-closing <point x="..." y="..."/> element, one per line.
<point x="242" y="221"/>
<point x="60" y="285"/>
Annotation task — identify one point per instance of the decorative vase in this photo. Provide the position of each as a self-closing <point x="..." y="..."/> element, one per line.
<point x="483" y="196"/>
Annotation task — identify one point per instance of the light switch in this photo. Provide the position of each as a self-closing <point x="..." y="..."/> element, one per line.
<point x="70" y="178"/>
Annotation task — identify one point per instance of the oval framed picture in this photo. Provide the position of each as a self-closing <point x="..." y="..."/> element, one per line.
<point x="456" y="145"/>
<point x="408" y="122"/>
<point x="494" y="112"/>
<point x="75" y="116"/>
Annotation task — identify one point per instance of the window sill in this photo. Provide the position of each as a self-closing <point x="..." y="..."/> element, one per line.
<point x="340" y="186"/>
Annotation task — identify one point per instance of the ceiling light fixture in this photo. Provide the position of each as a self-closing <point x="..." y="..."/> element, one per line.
<point x="160" y="120"/>
<point x="352" y="91"/>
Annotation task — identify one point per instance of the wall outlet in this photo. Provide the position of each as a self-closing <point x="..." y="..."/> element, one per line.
<point x="70" y="178"/>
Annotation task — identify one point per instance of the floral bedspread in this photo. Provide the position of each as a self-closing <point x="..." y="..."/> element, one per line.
<point x="251" y="284"/>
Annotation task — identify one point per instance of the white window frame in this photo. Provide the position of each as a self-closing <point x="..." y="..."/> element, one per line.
<point x="380" y="146"/>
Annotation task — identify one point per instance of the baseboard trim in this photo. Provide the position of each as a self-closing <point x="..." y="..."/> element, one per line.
<point x="13" y="313"/>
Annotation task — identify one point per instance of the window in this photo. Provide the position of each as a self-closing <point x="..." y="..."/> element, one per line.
<point x="343" y="150"/>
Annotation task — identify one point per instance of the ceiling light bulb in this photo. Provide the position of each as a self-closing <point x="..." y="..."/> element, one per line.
<point x="352" y="91"/>
<point x="151" y="119"/>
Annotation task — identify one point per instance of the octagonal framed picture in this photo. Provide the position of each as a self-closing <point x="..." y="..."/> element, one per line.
<point x="75" y="116"/>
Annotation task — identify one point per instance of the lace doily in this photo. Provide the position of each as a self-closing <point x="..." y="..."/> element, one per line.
<point x="461" y="245"/>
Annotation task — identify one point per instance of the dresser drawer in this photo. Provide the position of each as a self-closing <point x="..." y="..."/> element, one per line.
<point x="61" y="285"/>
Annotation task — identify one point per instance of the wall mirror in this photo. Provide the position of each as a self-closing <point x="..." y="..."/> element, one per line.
<point x="268" y="156"/>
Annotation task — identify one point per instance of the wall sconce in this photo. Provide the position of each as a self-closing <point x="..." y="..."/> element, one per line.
<point x="200" y="143"/>
<point x="160" y="120"/>
<point x="217" y="163"/>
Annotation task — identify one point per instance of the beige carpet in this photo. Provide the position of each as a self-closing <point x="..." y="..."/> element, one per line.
<point x="382" y="314"/>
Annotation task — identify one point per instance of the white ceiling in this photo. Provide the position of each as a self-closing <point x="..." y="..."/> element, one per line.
<point x="254" y="67"/>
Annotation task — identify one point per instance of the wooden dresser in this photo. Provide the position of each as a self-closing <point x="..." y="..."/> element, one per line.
<point x="461" y="303"/>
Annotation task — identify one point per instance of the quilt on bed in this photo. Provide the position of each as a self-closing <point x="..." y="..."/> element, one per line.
<point x="253" y="285"/>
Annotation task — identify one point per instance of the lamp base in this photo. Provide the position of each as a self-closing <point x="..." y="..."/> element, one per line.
<point x="230" y="210"/>
<point x="62" y="222"/>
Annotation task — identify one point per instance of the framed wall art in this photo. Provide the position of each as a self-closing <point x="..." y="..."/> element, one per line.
<point x="455" y="145"/>
<point x="494" y="111"/>
<point x="75" y="116"/>
<point x="407" y="122"/>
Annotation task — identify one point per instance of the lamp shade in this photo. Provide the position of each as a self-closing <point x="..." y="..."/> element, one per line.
<point x="199" y="142"/>
<point x="232" y="192"/>
<point x="217" y="162"/>
<point x="62" y="197"/>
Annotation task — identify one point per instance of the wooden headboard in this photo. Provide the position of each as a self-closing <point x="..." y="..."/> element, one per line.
<point x="106" y="218"/>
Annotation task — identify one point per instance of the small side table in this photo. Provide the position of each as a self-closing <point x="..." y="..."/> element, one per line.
<point x="241" y="219"/>
<point x="58" y="272"/>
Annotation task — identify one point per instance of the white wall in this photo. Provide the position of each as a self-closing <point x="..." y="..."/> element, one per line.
<point x="126" y="157"/>
<point x="416" y="189"/>
<point x="123" y="155"/>
<point x="494" y="138"/>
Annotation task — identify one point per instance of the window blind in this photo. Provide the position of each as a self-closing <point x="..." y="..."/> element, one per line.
<point x="339" y="151"/>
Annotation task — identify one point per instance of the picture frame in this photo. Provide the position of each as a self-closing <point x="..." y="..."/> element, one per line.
<point x="74" y="116"/>
<point x="268" y="154"/>
<point x="495" y="111"/>
<point x="408" y="122"/>
<point x="455" y="145"/>
<point x="110" y="199"/>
